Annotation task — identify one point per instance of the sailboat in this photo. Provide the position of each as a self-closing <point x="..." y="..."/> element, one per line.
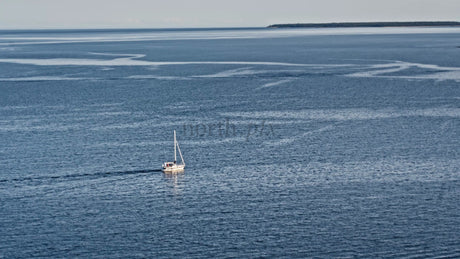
<point x="174" y="167"/>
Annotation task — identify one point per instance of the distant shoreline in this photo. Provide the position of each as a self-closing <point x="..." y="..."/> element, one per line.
<point x="364" y="24"/>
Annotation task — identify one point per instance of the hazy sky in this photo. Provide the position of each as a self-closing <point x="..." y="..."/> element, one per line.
<point x="20" y="14"/>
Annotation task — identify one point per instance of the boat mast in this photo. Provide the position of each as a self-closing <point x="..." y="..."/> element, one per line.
<point x="175" y="159"/>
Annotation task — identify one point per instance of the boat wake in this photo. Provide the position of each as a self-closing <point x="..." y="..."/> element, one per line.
<point x="382" y="69"/>
<point x="40" y="179"/>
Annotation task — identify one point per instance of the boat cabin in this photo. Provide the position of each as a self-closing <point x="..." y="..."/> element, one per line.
<point x="169" y="164"/>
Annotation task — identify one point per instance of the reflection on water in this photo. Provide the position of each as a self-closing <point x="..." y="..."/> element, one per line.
<point x="176" y="181"/>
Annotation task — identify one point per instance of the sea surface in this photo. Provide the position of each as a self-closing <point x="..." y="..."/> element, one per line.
<point x="297" y="142"/>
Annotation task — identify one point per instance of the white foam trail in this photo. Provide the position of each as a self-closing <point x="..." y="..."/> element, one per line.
<point x="381" y="69"/>
<point x="274" y="83"/>
<point x="78" y="62"/>
<point x="372" y="170"/>
<point x="132" y="60"/>
<point x="346" y="114"/>
<point x="286" y="141"/>
<point x="230" y="73"/>
<point x="158" y="77"/>
<point x="384" y="71"/>
<point x="111" y="113"/>
<point x="343" y="115"/>
<point x="25" y="126"/>
<point x="66" y="121"/>
<point x="118" y="54"/>
<point x="438" y="76"/>
<point x="128" y="61"/>
<point x="377" y="70"/>
<point x="248" y="71"/>
<point x="123" y="144"/>
<point x="104" y="104"/>
<point x="17" y="107"/>
<point x="41" y="78"/>
<point x="199" y="142"/>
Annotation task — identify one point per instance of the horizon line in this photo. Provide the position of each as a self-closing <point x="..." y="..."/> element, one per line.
<point x="211" y="28"/>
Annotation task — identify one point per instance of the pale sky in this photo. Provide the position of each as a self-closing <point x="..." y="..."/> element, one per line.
<point x="33" y="14"/>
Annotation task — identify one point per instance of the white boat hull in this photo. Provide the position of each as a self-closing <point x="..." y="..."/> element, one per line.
<point x="174" y="169"/>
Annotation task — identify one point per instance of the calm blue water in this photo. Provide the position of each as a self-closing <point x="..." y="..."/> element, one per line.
<point x="298" y="143"/>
